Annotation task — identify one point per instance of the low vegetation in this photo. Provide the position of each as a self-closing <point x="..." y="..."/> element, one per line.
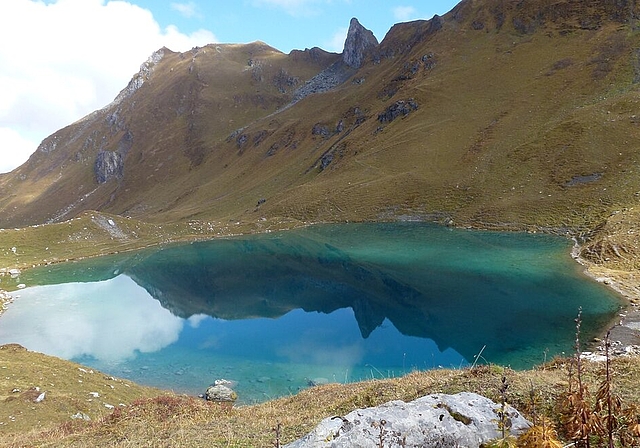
<point x="147" y="417"/>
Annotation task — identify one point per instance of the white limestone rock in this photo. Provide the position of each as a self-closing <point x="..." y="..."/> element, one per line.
<point x="462" y="420"/>
<point x="221" y="393"/>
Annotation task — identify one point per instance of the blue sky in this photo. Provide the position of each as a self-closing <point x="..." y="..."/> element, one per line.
<point x="291" y="24"/>
<point x="63" y="59"/>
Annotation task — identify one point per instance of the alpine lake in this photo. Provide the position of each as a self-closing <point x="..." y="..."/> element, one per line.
<point x="328" y="303"/>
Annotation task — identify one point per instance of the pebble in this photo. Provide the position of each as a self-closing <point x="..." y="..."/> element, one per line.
<point x="81" y="416"/>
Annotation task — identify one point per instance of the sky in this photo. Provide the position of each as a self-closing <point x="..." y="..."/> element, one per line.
<point x="63" y="59"/>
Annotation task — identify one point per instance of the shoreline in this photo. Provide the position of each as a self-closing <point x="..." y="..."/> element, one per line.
<point x="5" y="300"/>
<point x="624" y="330"/>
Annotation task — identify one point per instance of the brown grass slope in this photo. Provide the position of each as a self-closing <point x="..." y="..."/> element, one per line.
<point x="69" y="390"/>
<point x="526" y="116"/>
<point x="163" y="130"/>
<point x="143" y="417"/>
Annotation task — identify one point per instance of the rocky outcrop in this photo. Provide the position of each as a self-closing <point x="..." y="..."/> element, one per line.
<point x="360" y="42"/>
<point x="221" y="391"/>
<point x="397" y="109"/>
<point x="49" y="144"/>
<point x="324" y="81"/>
<point x="284" y="81"/>
<point x="465" y="419"/>
<point x="109" y="165"/>
<point x="321" y="130"/>
<point x="143" y="75"/>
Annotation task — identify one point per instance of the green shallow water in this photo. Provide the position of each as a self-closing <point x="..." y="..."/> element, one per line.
<point x="343" y="302"/>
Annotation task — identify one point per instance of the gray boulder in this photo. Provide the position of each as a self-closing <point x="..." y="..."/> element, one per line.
<point x="220" y="393"/>
<point x="462" y="420"/>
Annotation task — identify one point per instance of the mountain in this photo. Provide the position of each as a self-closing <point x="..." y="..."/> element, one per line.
<point x="502" y="113"/>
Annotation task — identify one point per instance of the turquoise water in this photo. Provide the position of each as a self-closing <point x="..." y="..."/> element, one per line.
<point x="277" y="312"/>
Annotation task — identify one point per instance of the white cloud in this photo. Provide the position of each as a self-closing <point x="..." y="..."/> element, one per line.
<point x="404" y="13"/>
<point x="64" y="59"/>
<point x="187" y="10"/>
<point x="296" y="8"/>
<point x="196" y="319"/>
<point x="336" y="43"/>
<point x="14" y="149"/>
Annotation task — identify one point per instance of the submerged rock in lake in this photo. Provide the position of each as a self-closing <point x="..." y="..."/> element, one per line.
<point x="465" y="419"/>
<point x="222" y="382"/>
<point x="317" y="381"/>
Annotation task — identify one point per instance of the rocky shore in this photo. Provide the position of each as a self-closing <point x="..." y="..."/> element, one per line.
<point x="5" y="297"/>
<point x="624" y="332"/>
<point x="5" y="300"/>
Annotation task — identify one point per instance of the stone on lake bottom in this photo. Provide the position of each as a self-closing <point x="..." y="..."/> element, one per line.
<point x="222" y="382"/>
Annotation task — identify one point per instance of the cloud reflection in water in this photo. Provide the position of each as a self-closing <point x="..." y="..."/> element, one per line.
<point x="108" y="322"/>
<point x="323" y="346"/>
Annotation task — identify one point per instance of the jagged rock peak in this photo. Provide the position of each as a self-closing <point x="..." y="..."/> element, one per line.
<point x="143" y="75"/>
<point x="358" y="43"/>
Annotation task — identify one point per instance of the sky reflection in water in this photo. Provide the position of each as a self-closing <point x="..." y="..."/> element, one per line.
<point x="342" y="303"/>
<point x="111" y="321"/>
<point x="118" y="327"/>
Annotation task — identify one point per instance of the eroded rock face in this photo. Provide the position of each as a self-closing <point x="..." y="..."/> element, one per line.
<point x="397" y="109"/>
<point x="462" y="420"/>
<point x="360" y="41"/>
<point x="109" y="164"/>
<point x="143" y="75"/>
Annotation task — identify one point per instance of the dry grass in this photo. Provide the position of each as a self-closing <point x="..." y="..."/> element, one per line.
<point x="168" y="420"/>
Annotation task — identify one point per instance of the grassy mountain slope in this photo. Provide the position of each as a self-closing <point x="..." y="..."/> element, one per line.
<point x="162" y="126"/>
<point x="516" y="114"/>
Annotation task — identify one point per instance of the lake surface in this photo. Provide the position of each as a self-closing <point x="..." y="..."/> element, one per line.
<point x="344" y="302"/>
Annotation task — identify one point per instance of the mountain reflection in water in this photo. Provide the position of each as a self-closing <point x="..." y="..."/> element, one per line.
<point x="293" y="296"/>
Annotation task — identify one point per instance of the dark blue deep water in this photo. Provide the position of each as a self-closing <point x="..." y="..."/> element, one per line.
<point x="342" y="302"/>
